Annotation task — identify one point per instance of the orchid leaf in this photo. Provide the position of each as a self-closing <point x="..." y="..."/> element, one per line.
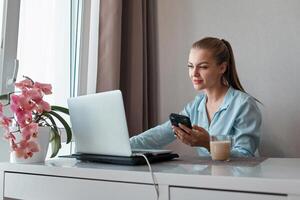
<point x="56" y="143"/>
<point x="60" y="109"/>
<point x="55" y="136"/>
<point x="52" y="121"/>
<point x="4" y="96"/>
<point x="65" y="124"/>
<point x="51" y="136"/>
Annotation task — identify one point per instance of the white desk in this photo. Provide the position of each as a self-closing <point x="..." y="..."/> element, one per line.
<point x="272" y="179"/>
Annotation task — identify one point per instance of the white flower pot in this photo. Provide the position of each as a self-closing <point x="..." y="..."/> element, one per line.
<point x="42" y="140"/>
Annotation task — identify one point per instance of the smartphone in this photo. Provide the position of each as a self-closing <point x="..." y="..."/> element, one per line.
<point x="182" y="119"/>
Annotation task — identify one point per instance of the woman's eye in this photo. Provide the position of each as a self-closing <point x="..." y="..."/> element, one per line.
<point x="200" y="67"/>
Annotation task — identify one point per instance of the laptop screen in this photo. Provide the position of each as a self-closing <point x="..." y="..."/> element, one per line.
<point x="99" y="124"/>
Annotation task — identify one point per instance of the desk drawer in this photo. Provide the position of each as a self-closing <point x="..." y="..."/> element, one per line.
<point x="177" y="193"/>
<point x="25" y="186"/>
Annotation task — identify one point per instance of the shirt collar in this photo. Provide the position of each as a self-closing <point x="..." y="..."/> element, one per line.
<point x="227" y="99"/>
<point x="224" y="105"/>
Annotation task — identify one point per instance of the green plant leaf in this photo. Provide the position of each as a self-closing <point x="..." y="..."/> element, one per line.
<point x="53" y="123"/>
<point x="5" y="97"/>
<point x="56" y="143"/>
<point x="60" y="109"/>
<point x="51" y="136"/>
<point x="65" y="124"/>
<point x="55" y="139"/>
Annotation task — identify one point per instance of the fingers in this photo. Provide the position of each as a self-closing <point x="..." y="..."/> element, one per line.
<point x="185" y="141"/>
<point x="178" y="131"/>
<point x="197" y="136"/>
<point x="186" y="129"/>
<point x="199" y="128"/>
<point x="200" y="131"/>
<point x="183" y="136"/>
<point x="190" y="131"/>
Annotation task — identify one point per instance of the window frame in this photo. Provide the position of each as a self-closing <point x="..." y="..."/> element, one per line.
<point x="88" y="48"/>
<point x="9" y="43"/>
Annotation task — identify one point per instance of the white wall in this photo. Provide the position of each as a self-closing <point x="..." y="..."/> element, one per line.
<point x="265" y="36"/>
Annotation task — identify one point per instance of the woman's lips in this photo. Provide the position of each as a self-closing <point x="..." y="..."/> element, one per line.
<point x="197" y="82"/>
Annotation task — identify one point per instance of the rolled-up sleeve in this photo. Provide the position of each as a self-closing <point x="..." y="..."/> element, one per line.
<point x="246" y="129"/>
<point x="154" y="138"/>
<point x="159" y="136"/>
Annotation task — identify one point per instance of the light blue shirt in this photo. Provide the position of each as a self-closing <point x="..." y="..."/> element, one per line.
<point x="238" y="116"/>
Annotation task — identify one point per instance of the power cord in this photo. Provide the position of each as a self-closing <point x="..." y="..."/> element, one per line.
<point x="156" y="187"/>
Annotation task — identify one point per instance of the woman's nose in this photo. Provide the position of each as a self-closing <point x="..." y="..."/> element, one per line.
<point x="196" y="71"/>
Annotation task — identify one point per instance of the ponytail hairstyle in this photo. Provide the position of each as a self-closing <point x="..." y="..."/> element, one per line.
<point x="222" y="52"/>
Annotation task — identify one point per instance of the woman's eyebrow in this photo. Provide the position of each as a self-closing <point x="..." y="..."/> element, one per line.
<point x="201" y="63"/>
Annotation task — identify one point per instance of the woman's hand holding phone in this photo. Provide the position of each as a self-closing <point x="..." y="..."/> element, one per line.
<point x="197" y="136"/>
<point x="188" y="134"/>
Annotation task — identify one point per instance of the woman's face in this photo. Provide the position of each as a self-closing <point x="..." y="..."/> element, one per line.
<point x="203" y="69"/>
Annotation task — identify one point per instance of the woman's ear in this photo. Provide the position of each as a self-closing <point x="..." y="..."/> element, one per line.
<point x="223" y="67"/>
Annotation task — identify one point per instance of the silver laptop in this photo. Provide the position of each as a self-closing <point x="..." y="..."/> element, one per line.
<point x="99" y="125"/>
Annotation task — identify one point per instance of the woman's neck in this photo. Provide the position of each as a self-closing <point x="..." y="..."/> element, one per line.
<point x="216" y="94"/>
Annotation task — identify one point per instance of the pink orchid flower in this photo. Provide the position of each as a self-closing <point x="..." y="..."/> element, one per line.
<point x="23" y="118"/>
<point x="5" y="122"/>
<point x="43" y="106"/>
<point x="9" y="136"/>
<point x="29" y="130"/>
<point x="23" y="144"/>
<point x="24" y="84"/>
<point x="32" y="146"/>
<point x="23" y="102"/>
<point x="20" y="152"/>
<point x="34" y="94"/>
<point x="15" y="108"/>
<point x="26" y="148"/>
<point x="46" y="88"/>
<point x="29" y="111"/>
<point x="29" y="154"/>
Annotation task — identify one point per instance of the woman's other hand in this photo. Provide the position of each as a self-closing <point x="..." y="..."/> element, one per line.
<point x="197" y="136"/>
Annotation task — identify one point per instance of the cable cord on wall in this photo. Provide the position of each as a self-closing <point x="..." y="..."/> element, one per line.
<point x="155" y="184"/>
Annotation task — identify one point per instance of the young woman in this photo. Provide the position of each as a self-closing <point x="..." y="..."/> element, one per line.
<point x="223" y="108"/>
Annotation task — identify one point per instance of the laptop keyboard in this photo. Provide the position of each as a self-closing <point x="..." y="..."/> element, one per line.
<point x="151" y="151"/>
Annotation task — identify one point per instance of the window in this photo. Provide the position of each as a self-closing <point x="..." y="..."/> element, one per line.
<point x="44" y="45"/>
<point x="57" y="44"/>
